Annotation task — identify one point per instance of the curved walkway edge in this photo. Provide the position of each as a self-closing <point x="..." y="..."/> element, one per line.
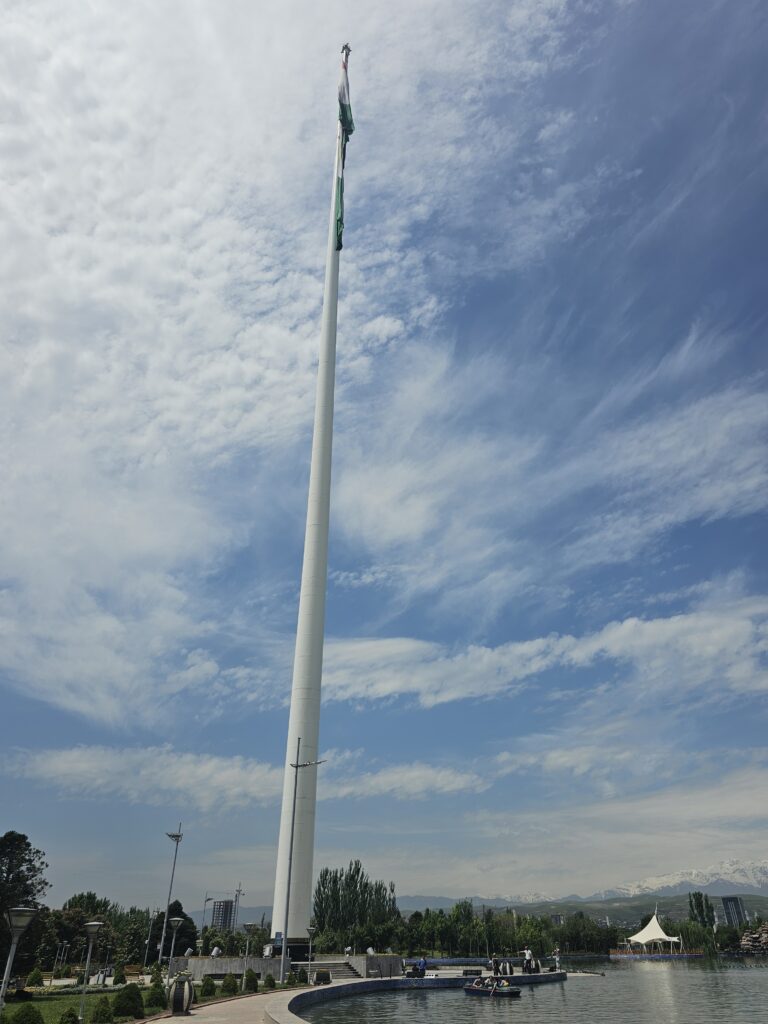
<point x="285" y="1007"/>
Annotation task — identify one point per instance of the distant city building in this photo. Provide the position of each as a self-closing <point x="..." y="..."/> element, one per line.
<point x="735" y="914"/>
<point x="223" y="915"/>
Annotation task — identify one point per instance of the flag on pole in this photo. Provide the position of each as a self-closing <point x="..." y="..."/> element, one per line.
<point x="345" y="107"/>
<point x="347" y="127"/>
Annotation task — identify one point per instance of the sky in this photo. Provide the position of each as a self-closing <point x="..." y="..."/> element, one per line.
<point x="545" y="664"/>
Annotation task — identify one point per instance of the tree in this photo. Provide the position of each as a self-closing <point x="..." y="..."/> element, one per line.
<point x="128" y="1002"/>
<point x="22" y="867"/>
<point x="186" y="936"/>
<point x="229" y="985"/>
<point x="156" y="997"/>
<point x="102" y="1011"/>
<point x="351" y="909"/>
<point x="252" y="981"/>
<point x="27" y="1014"/>
<point x="700" y="909"/>
<point x="208" y="988"/>
<point x="22" y="884"/>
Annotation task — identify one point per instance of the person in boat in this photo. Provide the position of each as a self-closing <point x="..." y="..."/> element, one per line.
<point x="527" y="960"/>
<point x="421" y="966"/>
<point x="478" y="983"/>
<point x="495" y="965"/>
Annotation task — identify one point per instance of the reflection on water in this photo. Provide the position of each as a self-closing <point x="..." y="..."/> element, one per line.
<point x="639" y="993"/>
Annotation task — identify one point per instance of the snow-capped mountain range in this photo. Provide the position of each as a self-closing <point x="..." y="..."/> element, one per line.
<point x="729" y="876"/>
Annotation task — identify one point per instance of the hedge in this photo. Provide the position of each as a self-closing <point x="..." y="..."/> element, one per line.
<point x="128" y="1002"/>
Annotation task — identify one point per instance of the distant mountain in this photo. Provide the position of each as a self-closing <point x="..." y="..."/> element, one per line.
<point x="408" y="904"/>
<point x="727" y="877"/>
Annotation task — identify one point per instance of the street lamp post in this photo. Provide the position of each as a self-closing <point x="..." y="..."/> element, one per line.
<point x="19" y="919"/>
<point x="296" y="767"/>
<point x="310" y="933"/>
<point x="91" y="930"/>
<point x="176" y="838"/>
<point x="106" y="967"/>
<point x="174" y="923"/>
<point x="248" y="929"/>
<point x="59" y="953"/>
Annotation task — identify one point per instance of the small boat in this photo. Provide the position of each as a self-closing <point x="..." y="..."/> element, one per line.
<point x="499" y="988"/>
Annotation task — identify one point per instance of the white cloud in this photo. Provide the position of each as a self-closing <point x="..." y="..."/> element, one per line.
<point x="716" y="649"/>
<point x="211" y="783"/>
<point x="152" y="775"/>
<point x="161" y="289"/>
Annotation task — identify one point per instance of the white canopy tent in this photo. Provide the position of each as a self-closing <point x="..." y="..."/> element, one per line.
<point x="653" y="932"/>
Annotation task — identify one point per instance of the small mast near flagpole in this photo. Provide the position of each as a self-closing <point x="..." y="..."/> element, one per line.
<point x="292" y="908"/>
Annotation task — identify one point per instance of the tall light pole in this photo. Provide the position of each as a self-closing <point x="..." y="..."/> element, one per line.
<point x="19" y="919"/>
<point x="174" y="923"/>
<point x="239" y="891"/>
<point x="91" y="930"/>
<point x="296" y="766"/>
<point x="310" y="933"/>
<point x="176" y="838"/>
<point x="152" y="917"/>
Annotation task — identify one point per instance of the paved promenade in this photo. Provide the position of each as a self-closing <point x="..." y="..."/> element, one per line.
<point x="272" y="1008"/>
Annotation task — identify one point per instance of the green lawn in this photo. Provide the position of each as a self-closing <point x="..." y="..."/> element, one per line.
<point x="54" y="1004"/>
<point x="51" y="1006"/>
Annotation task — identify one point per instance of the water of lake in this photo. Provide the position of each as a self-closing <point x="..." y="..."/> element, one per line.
<point x="640" y="993"/>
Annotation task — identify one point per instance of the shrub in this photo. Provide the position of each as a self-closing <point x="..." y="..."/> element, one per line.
<point x="251" y="981"/>
<point x="229" y="985"/>
<point x="156" y="997"/>
<point x="128" y="1002"/>
<point x="102" y="1011"/>
<point x="69" y="1016"/>
<point x="35" y="978"/>
<point x="269" y="981"/>
<point x="291" y="978"/>
<point x="208" y="988"/>
<point x="80" y="978"/>
<point x="27" y="1014"/>
<point x="66" y="971"/>
<point x="302" y="976"/>
<point x="119" y="977"/>
<point x="156" y="974"/>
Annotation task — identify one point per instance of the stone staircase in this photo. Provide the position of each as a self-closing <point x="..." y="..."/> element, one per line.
<point x="340" y="969"/>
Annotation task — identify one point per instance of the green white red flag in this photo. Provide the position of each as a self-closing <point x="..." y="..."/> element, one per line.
<point x="347" y="127"/>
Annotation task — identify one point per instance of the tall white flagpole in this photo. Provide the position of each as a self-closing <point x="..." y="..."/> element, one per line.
<point x="297" y="820"/>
